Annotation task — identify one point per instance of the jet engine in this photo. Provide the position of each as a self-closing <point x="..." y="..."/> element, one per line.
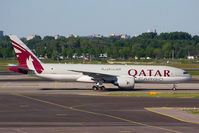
<point x="125" y="82"/>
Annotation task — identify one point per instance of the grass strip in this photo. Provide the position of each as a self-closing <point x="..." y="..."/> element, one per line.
<point x="194" y="111"/>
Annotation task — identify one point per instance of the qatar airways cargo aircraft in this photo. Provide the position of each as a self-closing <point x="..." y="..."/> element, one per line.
<point x="123" y="76"/>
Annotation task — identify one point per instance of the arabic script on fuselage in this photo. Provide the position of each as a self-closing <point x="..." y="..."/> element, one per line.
<point x="110" y="69"/>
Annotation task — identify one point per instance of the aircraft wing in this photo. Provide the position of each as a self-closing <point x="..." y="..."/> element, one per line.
<point x="95" y="75"/>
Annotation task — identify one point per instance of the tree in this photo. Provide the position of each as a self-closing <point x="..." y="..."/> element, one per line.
<point x="147" y="44"/>
<point x="175" y="36"/>
<point x="150" y="35"/>
<point x="196" y="38"/>
<point x="48" y="38"/>
<point x="157" y="52"/>
<point x="167" y="50"/>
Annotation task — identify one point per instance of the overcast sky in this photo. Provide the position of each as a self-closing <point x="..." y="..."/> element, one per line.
<point x="86" y="17"/>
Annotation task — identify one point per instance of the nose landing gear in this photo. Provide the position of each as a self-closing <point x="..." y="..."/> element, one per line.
<point x="174" y="87"/>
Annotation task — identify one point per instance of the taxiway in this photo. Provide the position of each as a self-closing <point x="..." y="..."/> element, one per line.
<point x="28" y="104"/>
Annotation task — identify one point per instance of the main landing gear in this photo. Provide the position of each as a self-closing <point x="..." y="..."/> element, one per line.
<point x="99" y="86"/>
<point x="174" y="87"/>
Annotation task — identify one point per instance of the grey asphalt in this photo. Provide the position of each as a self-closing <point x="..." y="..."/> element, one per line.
<point x="79" y="112"/>
<point x="73" y="111"/>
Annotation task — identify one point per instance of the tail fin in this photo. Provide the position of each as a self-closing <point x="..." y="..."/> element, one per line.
<point x="25" y="57"/>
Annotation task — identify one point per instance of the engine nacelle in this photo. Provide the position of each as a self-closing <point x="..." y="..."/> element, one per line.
<point x="125" y="82"/>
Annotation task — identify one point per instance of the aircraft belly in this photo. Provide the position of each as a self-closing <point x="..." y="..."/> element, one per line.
<point x="60" y="77"/>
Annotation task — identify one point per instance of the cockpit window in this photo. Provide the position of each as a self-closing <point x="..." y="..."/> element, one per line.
<point x="185" y="72"/>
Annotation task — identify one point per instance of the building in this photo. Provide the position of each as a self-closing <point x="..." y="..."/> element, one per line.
<point x="1" y="33"/>
<point x="97" y="36"/>
<point x="150" y="30"/>
<point x="30" y="37"/>
<point x="71" y="35"/>
<point x="190" y="57"/>
<point x="125" y="36"/>
<point x="136" y="35"/>
<point x="112" y="36"/>
<point x="136" y="58"/>
<point x="103" y="55"/>
<point x="122" y="36"/>
<point x="58" y="36"/>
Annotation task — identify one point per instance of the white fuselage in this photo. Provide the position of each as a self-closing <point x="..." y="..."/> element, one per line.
<point x="141" y="73"/>
<point x="123" y="76"/>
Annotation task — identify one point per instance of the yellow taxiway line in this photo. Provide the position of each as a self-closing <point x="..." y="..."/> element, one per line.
<point x="95" y="113"/>
<point x="157" y="112"/>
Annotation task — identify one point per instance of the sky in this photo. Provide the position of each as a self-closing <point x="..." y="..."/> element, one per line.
<point x="87" y="17"/>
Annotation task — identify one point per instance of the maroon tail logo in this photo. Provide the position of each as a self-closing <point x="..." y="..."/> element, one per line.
<point x="26" y="59"/>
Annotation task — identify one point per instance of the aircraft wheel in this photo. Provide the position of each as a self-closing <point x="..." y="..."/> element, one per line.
<point x="174" y="87"/>
<point x="102" y="88"/>
<point x="95" y="88"/>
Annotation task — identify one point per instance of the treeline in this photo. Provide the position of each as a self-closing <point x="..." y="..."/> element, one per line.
<point x="153" y="45"/>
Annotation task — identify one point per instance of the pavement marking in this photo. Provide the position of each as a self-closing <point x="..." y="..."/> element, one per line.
<point x="23" y="106"/>
<point x="81" y="105"/>
<point x="157" y="112"/>
<point x="95" y="113"/>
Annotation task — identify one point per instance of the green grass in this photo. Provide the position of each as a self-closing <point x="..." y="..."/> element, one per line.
<point x="6" y="62"/>
<point x="166" y="95"/>
<point x="180" y="63"/>
<point x="192" y="110"/>
<point x="194" y="73"/>
<point x="4" y="69"/>
<point x="78" y="61"/>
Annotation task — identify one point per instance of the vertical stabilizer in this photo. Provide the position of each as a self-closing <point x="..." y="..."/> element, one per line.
<point x="25" y="57"/>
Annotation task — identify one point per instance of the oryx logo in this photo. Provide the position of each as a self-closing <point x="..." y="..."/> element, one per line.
<point x="26" y="58"/>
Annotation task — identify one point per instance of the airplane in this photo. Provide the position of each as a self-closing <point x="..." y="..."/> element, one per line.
<point x="123" y="76"/>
